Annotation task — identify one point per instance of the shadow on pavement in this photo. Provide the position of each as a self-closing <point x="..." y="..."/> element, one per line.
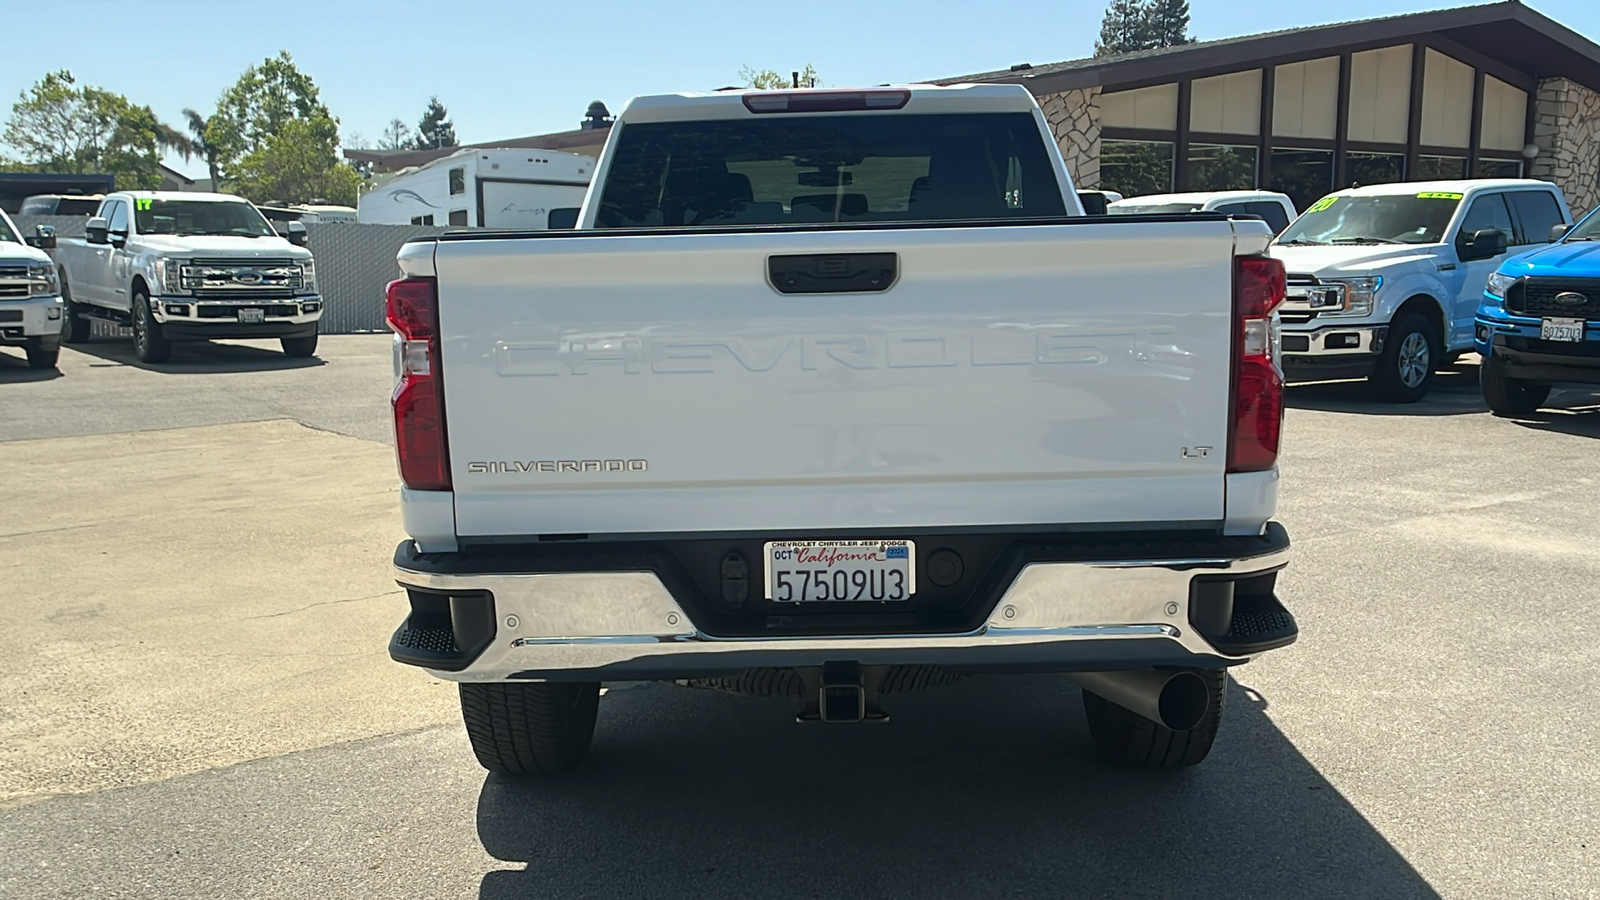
<point x="196" y="357"/>
<point x="1454" y="393"/>
<point x="14" y="369"/>
<point x="1575" y="412"/>
<point x="988" y="788"/>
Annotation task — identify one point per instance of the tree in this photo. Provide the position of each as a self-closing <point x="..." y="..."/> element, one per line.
<point x="1167" y="23"/>
<point x="265" y="99"/>
<point x="396" y="136"/>
<point x="771" y="80"/>
<point x="435" y="130"/>
<point x="60" y="126"/>
<point x="1132" y="25"/>
<point x="294" y="166"/>
<point x="1122" y="29"/>
<point x="275" y="139"/>
<point x="201" y="145"/>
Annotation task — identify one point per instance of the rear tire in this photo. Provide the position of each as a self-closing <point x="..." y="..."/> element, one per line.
<point x="148" y="343"/>
<point x="1129" y="739"/>
<point x="530" y="729"/>
<point x="42" y="355"/>
<point x="1509" y="396"/>
<point x="299" y="347"/>
<point x="1410" y="354"/>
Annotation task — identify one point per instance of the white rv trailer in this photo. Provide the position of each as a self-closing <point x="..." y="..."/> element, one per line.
<point x="481" y="188"/>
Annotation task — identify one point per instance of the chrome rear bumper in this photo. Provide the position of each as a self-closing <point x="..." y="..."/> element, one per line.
<point x="624" y="625"/>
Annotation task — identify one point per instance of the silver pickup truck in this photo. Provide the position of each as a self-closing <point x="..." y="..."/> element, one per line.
<point x="189" y="267"/>
<point x="833" y="395"/>
<point x="30" y="299"/>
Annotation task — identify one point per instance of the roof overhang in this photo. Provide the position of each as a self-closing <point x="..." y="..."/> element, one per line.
<point x="1508" y="34"/>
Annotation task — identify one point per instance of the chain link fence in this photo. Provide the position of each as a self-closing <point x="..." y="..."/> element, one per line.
<point x="354" y="262"/>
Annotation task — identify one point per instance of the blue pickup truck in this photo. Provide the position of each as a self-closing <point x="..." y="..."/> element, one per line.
<point x="1539" y="323"/>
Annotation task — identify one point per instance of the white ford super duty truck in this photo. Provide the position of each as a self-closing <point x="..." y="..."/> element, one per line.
<point x="189" y="267"/>
<point x="30" y="298"/>
<point x="833" y="395"/>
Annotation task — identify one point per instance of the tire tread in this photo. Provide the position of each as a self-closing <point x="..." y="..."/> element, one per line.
<point x="529" y="729"/>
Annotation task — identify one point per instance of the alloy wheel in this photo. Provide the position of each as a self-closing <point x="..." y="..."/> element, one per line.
<point x="1414" y="359"/>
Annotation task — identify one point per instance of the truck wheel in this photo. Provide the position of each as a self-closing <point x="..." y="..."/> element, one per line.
<point x="148" y="344"/>
<point x="1509" y="396"/>
<point x="1129" y="739"/>
<point x="1410" y="354"/>
<point x="530" y="729"/>
<point x="40" y="354"/>
<point x="299" y="347"/>
<point x="74" y="326"/>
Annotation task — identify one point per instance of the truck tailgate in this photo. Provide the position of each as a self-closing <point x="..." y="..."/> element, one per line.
<point x="1052" y="374"/>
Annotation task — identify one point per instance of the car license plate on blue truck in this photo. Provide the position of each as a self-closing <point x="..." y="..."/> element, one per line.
<point x="840" y="571"/>
<point x="1570" y="330"/>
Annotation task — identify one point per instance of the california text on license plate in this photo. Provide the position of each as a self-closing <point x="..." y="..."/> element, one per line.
<point x="1561" y="330"/>
<point x="252" y="314"/>
<point x="847" y="571"/>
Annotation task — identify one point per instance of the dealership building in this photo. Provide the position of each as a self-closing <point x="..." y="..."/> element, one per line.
<point x="1482" y="91"/>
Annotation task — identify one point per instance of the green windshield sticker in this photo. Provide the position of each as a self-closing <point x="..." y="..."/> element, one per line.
<point x="143" y="202"/>
<point x="1322" y="204"/>
<point x="1438" y="195"/>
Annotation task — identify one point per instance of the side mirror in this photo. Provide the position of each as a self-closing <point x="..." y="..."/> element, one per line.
<point x="1557" y="232"/>
<point x="43" y="237"/>
<point x="563" y="217"/>
<point x="1485" y="244"/>
<point x="94" y="231"/>
<point x="296" y="234"/>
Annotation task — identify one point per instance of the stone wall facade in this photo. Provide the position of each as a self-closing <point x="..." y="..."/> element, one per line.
<point x="1074" y="117"/>
<point x="1567" y="131"/>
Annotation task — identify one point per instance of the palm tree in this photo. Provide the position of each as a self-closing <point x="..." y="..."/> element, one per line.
<point x="199" y="145"/>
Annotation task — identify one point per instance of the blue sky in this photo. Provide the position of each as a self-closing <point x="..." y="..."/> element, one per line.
<point x="508" y="68"/>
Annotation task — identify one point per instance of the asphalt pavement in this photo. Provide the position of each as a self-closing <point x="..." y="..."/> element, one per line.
<point x="197" y="703"/>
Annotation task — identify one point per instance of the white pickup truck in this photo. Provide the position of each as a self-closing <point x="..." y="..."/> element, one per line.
<point x="1385" y="281"/>
<point x="833" y="395"/>
<point x="30" y="299"/>
<point x="189" y="267"/>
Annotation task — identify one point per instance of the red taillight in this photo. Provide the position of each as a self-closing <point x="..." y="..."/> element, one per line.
<point x="1258" y="288"/>
<point x="419" y="437"/>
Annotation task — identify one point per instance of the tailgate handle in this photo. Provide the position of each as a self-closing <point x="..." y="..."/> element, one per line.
<point x="833" y="273"/>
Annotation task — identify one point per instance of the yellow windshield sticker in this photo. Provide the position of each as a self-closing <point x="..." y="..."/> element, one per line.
<point x="143" y="202"/>
<point x="1322" y="204"/>
<point x="1438" y="195"/>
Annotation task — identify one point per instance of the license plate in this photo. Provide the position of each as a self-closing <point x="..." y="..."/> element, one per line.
<point x="1561" y="330"/>
<point x="252" y="316"/>
<point x="840" y="571"/>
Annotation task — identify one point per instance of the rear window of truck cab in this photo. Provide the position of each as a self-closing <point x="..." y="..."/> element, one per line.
<point x="816" y="169"/>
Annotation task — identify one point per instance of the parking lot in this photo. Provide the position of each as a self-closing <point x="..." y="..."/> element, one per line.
<point x="197" y="700"/>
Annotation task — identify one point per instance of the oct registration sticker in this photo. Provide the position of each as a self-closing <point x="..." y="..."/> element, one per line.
<point x="840" y="571"/>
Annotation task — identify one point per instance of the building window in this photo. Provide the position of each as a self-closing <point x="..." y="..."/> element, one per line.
<point x="1221" y="167"/>
<point x="1305" y="175"/>
<point x="1305" y="99"/>
<point x="422" y="220"/>
<point x="1380" y="95"/>
<point x="458" y="217"/>
<point x="458" y="180"/>
<point x="1151" y="108"/>
<point x="1375" y="168"/>
<point x="1498" y="168"/>
<point x="1135" y="168"/>
<point x="1505" y="116"/>
<point x="1440" y="168"/>
<point x="1226" y="104"/>
<point x="1446" y="101"/>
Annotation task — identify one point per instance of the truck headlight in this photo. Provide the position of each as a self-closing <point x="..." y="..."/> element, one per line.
<point x="171" y="274"/>
<point x="308" y="276"/>
<point x="1498" y="285"/>
<point x="43" y="281"/>
<point x="1360" y="294"/>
